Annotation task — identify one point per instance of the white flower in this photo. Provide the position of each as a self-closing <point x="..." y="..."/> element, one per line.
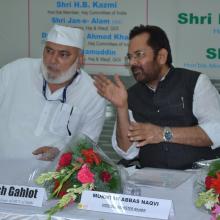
<point x="210" y="204"/>
<point x="208" y="199"/>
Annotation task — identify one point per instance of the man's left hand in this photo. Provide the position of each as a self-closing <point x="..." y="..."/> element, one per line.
<point x="145" y="133"/>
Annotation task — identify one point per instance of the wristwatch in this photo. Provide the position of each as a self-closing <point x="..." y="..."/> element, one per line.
<point x="167" y="134"/>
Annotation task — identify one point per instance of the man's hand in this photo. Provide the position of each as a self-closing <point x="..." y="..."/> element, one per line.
<point x="115" y="92"/>
<point x="46" y="153"/>
<point x="145" y="133"/>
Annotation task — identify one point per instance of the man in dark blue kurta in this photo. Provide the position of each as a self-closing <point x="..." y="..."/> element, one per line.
<point x="171" y="117"/>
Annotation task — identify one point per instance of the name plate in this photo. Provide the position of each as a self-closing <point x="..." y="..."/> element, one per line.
<point x="22" y="195"/>
<point x="126" y="204"/>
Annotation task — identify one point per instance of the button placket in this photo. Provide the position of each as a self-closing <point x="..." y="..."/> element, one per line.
<point x="43" y="119"/>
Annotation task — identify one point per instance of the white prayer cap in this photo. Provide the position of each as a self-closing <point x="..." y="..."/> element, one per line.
<point x="68" y="36"/>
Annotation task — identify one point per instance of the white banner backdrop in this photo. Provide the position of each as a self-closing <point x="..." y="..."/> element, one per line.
<point x="106" y="24"/>
<point x="193" y="27"/>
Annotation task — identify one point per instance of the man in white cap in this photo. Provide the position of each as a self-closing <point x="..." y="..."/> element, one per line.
<point x="46" y="102"/>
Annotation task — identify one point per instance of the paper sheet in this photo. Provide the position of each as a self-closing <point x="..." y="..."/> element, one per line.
<point x="159" y="177"/>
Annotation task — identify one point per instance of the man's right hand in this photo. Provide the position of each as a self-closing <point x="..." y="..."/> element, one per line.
<point x="115" y="92"/>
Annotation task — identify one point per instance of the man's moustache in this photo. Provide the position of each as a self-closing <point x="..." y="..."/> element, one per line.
<point x="52" y="66"/>
<point x="135" y="68"/>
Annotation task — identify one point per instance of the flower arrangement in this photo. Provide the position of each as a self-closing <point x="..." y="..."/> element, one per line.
<point x="82" y="167"/>
<point x="209" y="190"/>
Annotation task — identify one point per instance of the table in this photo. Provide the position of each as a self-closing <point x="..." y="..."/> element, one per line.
<point x="18" y="172"/>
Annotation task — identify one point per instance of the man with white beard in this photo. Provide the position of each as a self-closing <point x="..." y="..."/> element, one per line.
<point x="45" y="102"/>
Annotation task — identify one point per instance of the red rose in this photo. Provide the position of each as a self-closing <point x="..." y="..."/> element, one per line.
<point x="65" y="159"/>
<point x="208" y="182"/>
<point x="91" y="156"/>
<point x="215" y="183"/>
<point x="105" y="176"/>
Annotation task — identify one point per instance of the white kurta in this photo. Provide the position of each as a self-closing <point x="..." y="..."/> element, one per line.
<point x="28" y="121"/>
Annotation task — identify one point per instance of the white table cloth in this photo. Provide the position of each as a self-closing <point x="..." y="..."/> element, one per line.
<point x="18" y="173"/>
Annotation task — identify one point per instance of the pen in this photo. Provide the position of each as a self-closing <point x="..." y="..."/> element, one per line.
<point x="182" y="98"/>
<point x="69" y="132"/>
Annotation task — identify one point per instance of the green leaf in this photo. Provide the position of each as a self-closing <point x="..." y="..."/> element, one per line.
<point x="44" y="177"/>
<point x="213" y="168"/>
